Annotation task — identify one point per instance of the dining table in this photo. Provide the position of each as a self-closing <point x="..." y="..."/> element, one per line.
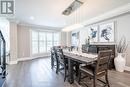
<point x="75" y="59"/>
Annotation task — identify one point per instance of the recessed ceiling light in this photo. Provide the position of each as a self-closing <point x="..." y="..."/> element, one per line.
<point x="32" y="18"/>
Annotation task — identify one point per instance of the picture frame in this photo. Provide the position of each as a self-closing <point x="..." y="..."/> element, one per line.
<point x="93" y="33"/>
<point x="107" y="32"/>
<point x="75" y="38"/>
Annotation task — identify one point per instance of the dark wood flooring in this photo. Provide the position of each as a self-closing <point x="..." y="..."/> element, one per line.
<point x="38" y="73"/>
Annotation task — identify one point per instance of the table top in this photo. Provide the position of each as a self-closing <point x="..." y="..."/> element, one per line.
<point x="88" y="58"/>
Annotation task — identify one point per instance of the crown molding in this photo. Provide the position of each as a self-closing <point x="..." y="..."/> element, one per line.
<point x="13" y="20"/>
<point x="113" y="13"/>
<point x="33" y="26"/>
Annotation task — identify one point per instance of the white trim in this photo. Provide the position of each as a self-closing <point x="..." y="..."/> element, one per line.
<point x="25" y="58"/>
<point x="127" y="68"/>
<point x="13" y="62"/>
<point x="48" y="28"/>
<point x="33" y="57"/>
<point x="30" y="58"/>
<point x="113" y="13"/>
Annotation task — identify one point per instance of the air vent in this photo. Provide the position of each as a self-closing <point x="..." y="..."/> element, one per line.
<point x="75" y="4"/>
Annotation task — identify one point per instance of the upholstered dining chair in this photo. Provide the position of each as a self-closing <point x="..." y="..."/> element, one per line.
<point x="99" y="69"/>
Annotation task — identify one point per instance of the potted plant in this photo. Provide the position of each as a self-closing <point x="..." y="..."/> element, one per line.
<point x="120" y="60"/>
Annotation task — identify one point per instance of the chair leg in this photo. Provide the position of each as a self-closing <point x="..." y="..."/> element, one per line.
<point x="57" y="67"/>
<point x="94" y="81"/>
<point x="65" y="73"/>
<point x="106" y="77"/>
<point x="79" y="76"/>
<point x="77" y="68"/>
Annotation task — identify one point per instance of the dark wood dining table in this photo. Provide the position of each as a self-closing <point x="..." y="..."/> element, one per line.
<point x="76" y="59"/>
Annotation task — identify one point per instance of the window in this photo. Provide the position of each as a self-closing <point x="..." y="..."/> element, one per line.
<point x="43" y="41"/>
<point x="49" y="41"/>
<point x="56" y="39"/>
<point x="35" y="42"/>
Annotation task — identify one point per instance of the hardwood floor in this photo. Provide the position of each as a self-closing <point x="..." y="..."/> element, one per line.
<point x="38" y="73"/>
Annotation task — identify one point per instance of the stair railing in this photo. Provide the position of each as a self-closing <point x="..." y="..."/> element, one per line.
<point x="2" y="55"/>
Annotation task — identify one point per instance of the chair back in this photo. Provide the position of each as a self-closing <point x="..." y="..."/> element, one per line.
<point x="54" y="53"/>
<point x="103" y="61"/>
<point x="60" y="54"/>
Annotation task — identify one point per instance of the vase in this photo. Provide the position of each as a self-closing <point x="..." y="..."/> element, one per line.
<point x="120" y="62"/>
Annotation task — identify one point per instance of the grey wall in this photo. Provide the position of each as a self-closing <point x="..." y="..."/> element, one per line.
<point x="122" y="28"/>
<point x="63" y="38"/>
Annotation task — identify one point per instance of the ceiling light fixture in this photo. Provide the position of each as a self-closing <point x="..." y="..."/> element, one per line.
<point x="77" y="16"/>
<point x="75" y="5"/>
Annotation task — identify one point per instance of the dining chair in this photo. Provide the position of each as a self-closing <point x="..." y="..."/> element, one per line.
<point x="54" y="59"/>
<point x="99" y="69"/>
<point x="62" y="61"/>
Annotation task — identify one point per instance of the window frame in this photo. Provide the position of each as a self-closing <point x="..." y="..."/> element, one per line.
<point x="46" y="41"/>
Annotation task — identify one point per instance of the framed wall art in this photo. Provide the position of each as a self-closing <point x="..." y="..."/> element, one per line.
<point x="93" y="33"/>
<point x="75" y="39"/>
<point x="106" y="32"/>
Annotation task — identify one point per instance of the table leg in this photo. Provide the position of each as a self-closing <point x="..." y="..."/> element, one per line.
<point x="77" y="68"/>
<point x="70" y="71"/>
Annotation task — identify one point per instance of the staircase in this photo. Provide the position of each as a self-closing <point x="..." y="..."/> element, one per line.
<point x="2" y="59"/>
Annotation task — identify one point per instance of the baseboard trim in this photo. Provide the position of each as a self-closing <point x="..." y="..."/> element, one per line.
<point x="127" y="68"/>
<point x="28" y="58"/>
<point x="13" y="62"/>
<point x="25" y="59"/>
<point x="31" y="58"/>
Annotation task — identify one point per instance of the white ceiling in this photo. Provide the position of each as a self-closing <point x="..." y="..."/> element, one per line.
<point x="49" y="12"/>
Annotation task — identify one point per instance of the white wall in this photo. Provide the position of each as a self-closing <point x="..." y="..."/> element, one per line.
<point x="63" y="38"/>
<point x="13" y="41"/>
<point x="24" y="40"/>
<point x="68" y="39"/>
<point x="9" y="31"/>
<point x="122" y="26"/>
<point x="23" y="37"/>
<point x="93" y="8"/>
<point x="20" y="43"/>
